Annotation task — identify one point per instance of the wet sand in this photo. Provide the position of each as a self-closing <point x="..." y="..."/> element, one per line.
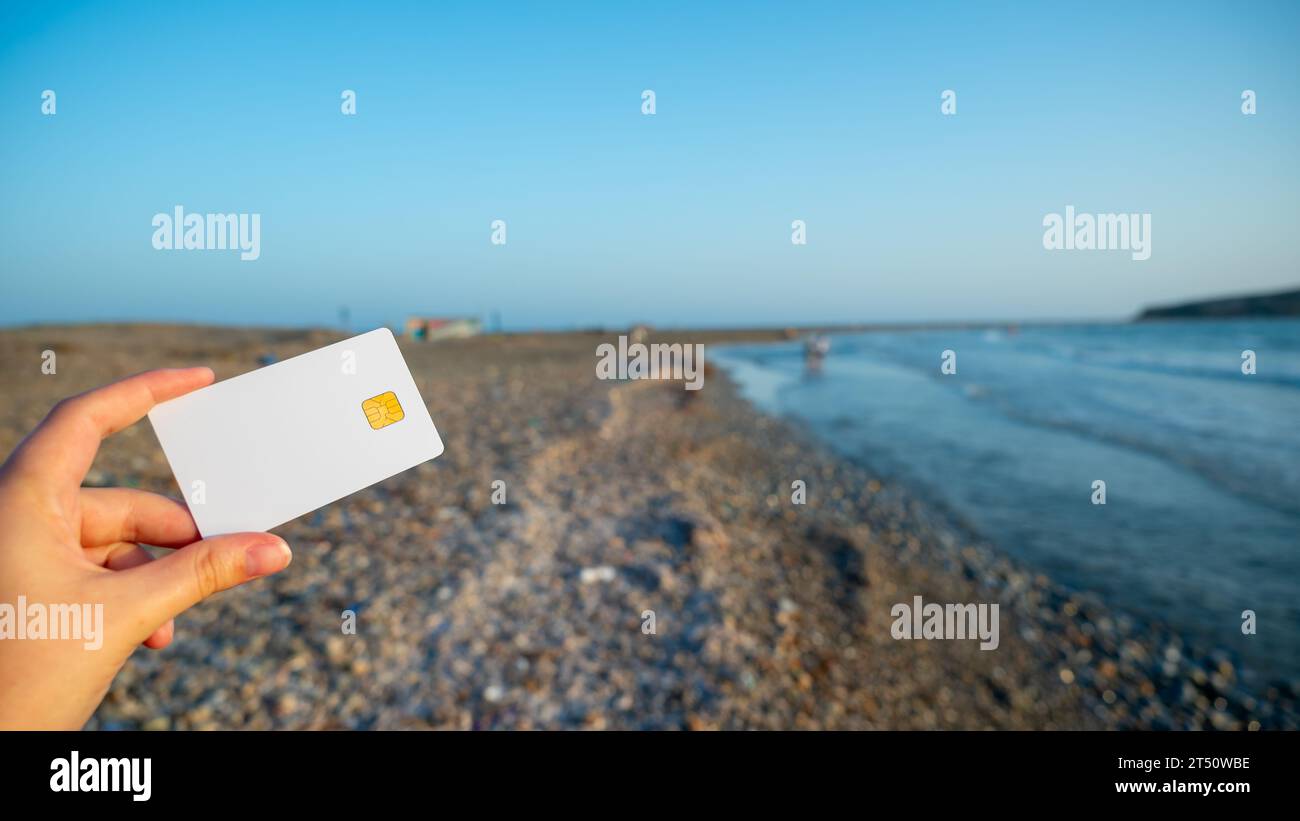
<point x="621" y="497"/>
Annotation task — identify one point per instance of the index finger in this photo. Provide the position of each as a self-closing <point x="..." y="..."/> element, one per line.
<point x="60" y="451"/>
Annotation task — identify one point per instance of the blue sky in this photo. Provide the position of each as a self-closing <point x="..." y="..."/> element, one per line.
<point x="766" y="113"/>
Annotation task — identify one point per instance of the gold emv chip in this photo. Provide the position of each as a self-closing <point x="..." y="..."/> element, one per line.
<point x="383" y="410"/>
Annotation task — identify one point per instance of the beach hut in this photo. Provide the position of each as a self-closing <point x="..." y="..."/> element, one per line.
<point x="429" y="328"/>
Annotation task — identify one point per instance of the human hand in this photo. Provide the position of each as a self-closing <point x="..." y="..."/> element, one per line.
<point x="61" y="544"/>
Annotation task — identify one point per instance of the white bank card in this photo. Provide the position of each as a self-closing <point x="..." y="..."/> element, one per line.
<point x="266" y="447"/>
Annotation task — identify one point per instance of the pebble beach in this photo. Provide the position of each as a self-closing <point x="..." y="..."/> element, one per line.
<point x="621" y="497"/>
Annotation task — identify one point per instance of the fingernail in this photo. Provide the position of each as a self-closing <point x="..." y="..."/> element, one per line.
<point x="267" y="557"/>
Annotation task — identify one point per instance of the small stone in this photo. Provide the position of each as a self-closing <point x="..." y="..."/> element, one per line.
<point x="336" y="649"/>
<point x="600" y="573"/>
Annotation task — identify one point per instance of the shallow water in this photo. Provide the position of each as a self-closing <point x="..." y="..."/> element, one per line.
<point x="1201" y="462"/>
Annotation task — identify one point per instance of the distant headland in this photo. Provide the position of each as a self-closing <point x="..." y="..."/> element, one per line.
<point x="1285" y="303"/>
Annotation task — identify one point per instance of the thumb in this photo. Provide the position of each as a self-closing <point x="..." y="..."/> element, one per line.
<point x="176" y="582"/>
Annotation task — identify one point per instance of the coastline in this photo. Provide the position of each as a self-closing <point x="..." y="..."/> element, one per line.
<point x="1175" y="681"/>
<point x="622" y="497"/>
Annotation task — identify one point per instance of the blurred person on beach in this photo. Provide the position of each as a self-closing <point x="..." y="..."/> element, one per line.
<point x="815" y="349"/>
<point x="62" y="544"/>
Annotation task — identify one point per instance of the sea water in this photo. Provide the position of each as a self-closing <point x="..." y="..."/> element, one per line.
<point x="1201" y="462"/>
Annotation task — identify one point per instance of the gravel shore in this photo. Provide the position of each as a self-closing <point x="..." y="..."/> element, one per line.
<point x="621" y="498"/>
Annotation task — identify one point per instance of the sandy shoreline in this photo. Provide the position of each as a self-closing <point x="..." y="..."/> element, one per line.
<point x="621" y="498"/>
